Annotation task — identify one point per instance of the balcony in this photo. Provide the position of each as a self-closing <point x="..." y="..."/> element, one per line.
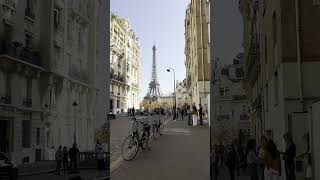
<point x="116" y="78"/>
<point x="15" y="50"/>
<point x="5" y="99"/>
<point x="239" y="97"/>
<point x="27" y="102"/>
<point x="244" y="117"/>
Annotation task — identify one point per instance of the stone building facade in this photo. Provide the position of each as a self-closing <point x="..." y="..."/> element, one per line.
<point x="197" y="54"/>
<point x="230" y="107"/>
<point x="47" y="77"/>
<point x="281" y="40"/>
<point x="125" y="64"/>
<point x="182" y="94"/>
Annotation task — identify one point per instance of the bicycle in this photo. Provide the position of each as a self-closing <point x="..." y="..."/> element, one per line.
<point x="157" y="128"/>
<point x="134" y="141"/>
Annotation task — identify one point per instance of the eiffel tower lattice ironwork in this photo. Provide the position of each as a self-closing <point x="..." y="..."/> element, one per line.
<point x="154" y="86"/>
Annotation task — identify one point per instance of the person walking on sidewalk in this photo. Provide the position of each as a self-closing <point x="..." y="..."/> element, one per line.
<point x="252" y="159"/>
<point x="260" y="158"/>
<point x="59" y="158"/>
<point x="182" y="113"/>
<point x="231" y="161"/>
<point x="214" y="163"/>
<point x="132" y="111"/>
<point x="289" y="156"/>
<point x="73" y="154"/>
<point x="65" y="160"/>
<point x="194" y="115"/>
<point x="189" y="113"/>
<point x="100" y="157"/>
<point x="272" y="161"/>
<point x="200" y="114"/>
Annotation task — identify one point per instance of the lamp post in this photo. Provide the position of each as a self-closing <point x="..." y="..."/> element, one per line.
<point x="174" y="87"/>
<point x="75" y="104"/>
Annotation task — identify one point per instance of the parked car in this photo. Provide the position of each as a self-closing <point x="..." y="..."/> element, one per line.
<point x="8" y="169"/>
<point x="112" y="115"/>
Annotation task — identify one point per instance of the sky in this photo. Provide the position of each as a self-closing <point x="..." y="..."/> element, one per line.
<point x="161" y="22"/>
<point x="227" y="29"/>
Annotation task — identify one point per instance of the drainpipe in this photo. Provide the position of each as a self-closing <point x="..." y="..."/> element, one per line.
<point x="299" y="63"/>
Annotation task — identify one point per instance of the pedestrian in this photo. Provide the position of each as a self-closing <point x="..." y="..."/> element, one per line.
<point x="260" y="158"/>
<point x="215" y="162"/>
<point x="189" y="113"/>
<point x="252" y="159"/>
<point x="73" y="154"/>
<point x="59" y="158"/>
<point x="231" y="160"/>
<point x="133" y="111"/>
<point x="194" y="115"/>
<point x="65" y="160"/>
<point x="272" y="161"/>
<point x="288" y="156"/>
<point x="200" y="114"/>
<point x="100" y="158"/>
<point x="307" y="155"/>
<point x="182" y="113"/>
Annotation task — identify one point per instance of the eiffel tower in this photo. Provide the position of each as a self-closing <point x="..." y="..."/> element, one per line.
<point x="154" y="86"/>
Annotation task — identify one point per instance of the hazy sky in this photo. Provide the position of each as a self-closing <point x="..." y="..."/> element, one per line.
<point x="162" y="22"/>
<point x="227" y="28"/>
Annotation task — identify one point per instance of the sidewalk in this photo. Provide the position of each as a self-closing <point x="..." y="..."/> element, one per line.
<point x="181" y="153"/>
<point x="45" y="167"/>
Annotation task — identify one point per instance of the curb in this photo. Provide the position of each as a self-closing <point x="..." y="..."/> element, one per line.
<point x="50" y="171"/>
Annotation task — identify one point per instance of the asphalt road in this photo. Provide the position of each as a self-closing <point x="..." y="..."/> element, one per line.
<point x="182" y="153"/>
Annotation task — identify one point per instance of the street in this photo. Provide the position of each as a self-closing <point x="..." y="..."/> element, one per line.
<point x="84" y="174"/>
<point x="181" y="153"/>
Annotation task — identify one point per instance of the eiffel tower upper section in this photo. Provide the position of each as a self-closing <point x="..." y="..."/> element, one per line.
<point x="154" y="86"/>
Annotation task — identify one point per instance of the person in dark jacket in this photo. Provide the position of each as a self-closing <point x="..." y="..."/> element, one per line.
<point x="73" y="154"/>
<point x="231" y="160"/>
<point x="65" y="160"/>
<point x="201" y="114"/>
<point x="289" y="156"/>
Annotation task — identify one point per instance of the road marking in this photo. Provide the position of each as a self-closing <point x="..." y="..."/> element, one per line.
<point x="115" y="164"/>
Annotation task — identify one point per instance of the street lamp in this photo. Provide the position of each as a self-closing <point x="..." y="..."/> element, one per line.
<point x="174" y="87"/>
<point x="75" y="104"/>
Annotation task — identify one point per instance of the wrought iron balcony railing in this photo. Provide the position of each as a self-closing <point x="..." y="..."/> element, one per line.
<point x="16" y="50"/>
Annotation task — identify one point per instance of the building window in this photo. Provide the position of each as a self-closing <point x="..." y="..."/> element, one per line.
<point x="118" y="103"/>
<point x="38" y="136"/>
<point x="28" y="41"/>
<point x="57" y="18"/>
<point x="274" y="27"/>
<point x="29" y="88"/>
<point x="276" y="88"/>
<point x="26" y="133"/>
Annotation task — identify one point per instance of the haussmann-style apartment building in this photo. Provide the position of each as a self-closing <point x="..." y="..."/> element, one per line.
<point x="47" y="76"/>
<point x="125" y="66"/>
<point x="281" y="42"/>
<point x="197" y="52"/>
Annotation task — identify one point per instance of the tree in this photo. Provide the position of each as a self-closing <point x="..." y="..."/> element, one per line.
<point x="103" y="133"/>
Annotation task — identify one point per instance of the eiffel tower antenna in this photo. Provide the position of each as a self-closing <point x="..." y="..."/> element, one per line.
<point x="154" y="86"/>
